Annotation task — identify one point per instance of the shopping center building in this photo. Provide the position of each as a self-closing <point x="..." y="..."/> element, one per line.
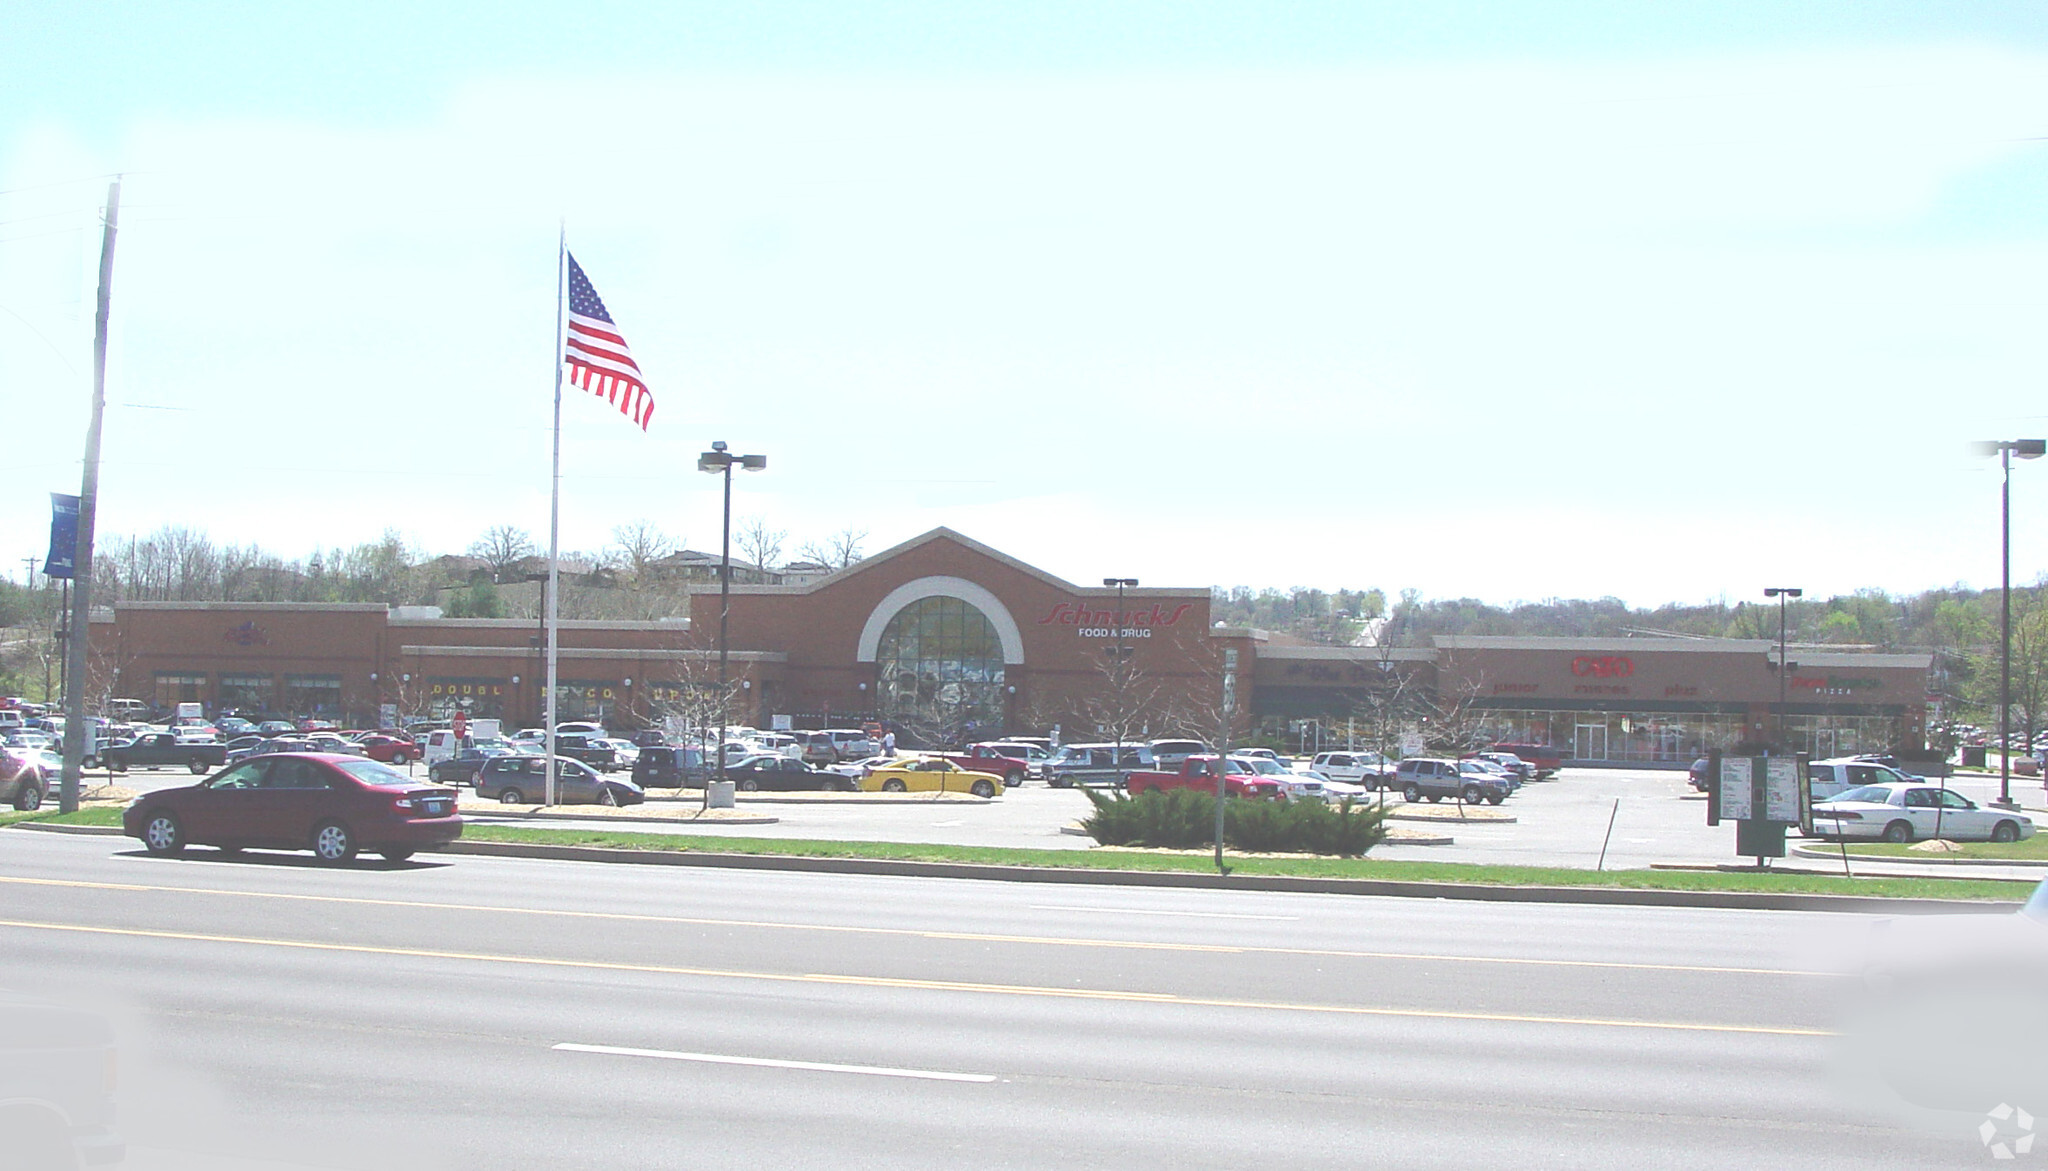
<point x="949" y="636"/>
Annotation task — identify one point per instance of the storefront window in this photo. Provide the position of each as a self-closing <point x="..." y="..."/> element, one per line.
<point x="250" y="694"/>
<point x="313" y="695"/>
<point x="1827" y="736"/>
<point x="593" y="700"/>
<point x="1678" y="737"/>
<point x="939" y="669"/>
<point x="482" y="699"/>
<point x="175" y="688"/>
<point x="1645" y="737"/>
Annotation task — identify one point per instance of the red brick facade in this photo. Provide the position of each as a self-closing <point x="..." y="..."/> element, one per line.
<point x="810" y="651"/>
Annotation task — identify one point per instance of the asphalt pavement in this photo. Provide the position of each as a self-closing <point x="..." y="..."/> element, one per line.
<point x="509" y="1013"/>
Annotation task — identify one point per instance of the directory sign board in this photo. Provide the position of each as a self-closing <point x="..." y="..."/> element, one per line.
<point x="1781" y="790"/>
<point x="1737" y="788"/>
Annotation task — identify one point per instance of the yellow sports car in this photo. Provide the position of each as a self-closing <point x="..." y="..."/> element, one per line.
<point x="927" y="774"/>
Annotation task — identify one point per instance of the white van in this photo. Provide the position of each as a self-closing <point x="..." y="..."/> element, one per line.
<point x="1829" y="777"/>
<point x="440" y="744"/>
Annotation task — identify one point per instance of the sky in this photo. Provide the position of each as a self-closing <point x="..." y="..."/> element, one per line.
<point x="1507" y="301"/>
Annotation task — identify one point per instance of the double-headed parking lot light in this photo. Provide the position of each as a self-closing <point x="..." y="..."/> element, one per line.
<point x="2005" y="449"/>
<point x="719" y="461"/>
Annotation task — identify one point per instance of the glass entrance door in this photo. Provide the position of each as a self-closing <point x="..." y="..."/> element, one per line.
<point x="1590" y="742"/>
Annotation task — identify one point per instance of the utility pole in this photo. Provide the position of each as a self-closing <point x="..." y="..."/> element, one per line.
<point x="1784" y="669"/>
<point x="75" y="645"/>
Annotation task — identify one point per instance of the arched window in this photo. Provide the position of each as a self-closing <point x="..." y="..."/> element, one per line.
<point x="939" y="666"/>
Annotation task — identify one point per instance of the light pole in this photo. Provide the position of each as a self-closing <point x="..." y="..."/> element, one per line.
<point x="1117" y="678"/>
<point x="2005" y="449"/>
<point x="540" y="645"/>
<point x="718" y="461"/>
<point x="1784" y="669"/>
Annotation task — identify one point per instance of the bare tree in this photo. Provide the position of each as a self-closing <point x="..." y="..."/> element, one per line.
<point x="1392" y="702"/>
<point x="1125" y="703"/>
<point x="838" y="551"/>
<point x="636" y="547"/>
<point x="501" y="548"/>
<point x="1453" y="722"/>
<point x="758" y="543"/>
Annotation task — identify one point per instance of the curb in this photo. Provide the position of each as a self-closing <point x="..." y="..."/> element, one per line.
<point x="1459" y="819"/>
<point x="1463" y="892"/>
<point x="1591" y="896"/>
<point x="513" y="818"/>
<point x="1419" y="839"/>
<point x="1890" y="860"/>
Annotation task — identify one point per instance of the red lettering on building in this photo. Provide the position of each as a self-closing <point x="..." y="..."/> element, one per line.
<point x="1073" y="614"/>
<point x="1604" y="666"/>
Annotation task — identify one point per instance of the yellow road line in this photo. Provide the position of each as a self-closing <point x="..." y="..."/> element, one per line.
<point x="921" y="985"/>
<point x="957" y="936"/>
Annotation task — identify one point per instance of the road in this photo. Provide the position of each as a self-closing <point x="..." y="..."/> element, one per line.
<point x="509" y="1013"/>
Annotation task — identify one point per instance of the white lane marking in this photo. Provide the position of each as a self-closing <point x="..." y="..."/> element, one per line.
<point x="1180" y="914"/>
<point x="933" y="1075"/>
<point x="946" y="824"/>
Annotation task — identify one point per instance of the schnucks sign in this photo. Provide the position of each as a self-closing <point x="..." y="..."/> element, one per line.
<point x="1094" y="623"/>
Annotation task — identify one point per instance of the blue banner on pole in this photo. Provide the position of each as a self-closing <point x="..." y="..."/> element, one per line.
<point x="63" y="535"/>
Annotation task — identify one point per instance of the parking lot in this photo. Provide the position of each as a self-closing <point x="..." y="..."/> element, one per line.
<point x="1657" y="819"/>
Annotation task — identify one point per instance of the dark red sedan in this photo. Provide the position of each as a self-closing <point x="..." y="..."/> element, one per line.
<point x="389" y="749"/>
<point x="331" y="804"/>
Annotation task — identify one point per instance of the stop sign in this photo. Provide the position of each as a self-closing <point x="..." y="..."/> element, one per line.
<point x="461" y="724"/>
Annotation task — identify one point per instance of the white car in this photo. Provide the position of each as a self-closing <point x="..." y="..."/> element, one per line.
<point x="862" y="767"/>
<point x="1297" y="786"/>
<point x="1335" y="790"/>
<point x="1915" y="812"/>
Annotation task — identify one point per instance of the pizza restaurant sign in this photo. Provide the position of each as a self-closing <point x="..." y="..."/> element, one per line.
<point x="1093" y="623"/>
<point x="1836" y="684"/>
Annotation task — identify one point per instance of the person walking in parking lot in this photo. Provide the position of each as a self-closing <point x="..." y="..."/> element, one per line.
<point x="888" y="743"/>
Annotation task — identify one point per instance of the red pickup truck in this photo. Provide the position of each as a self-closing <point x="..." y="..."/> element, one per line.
<point x="980" y="758"/>
<point x="1199" y="772"/>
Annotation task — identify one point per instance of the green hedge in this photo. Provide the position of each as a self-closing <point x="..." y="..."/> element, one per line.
<point x="1184" y="819"/>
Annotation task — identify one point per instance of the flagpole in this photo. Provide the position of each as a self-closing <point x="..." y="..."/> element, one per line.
<point x="554" y="602"/>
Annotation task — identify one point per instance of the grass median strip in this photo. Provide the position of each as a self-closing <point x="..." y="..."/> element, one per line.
<point x="2032" y="849"/>
<point x="1360" y="868"/>
<point x="92" y="815"/>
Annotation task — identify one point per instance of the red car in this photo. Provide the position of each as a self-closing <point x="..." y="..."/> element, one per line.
<point x="1199" y="773"/>
<point x="389" y="749"/>
<point x="330" y="804"/>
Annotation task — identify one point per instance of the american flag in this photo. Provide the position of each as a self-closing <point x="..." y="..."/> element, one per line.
<point x="596" y="353"/>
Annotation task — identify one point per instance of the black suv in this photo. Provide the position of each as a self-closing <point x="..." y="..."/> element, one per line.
<point x="669" y="767"/>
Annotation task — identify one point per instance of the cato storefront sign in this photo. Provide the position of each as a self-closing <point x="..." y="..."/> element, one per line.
<point x="1603" y="666"/>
